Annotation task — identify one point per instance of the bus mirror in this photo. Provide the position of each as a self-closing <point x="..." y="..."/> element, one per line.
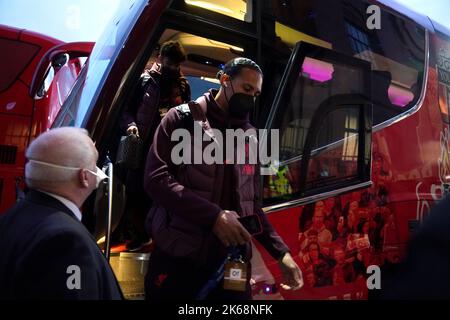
<point x="60" y="60"/>
<point x="57" y="57"/>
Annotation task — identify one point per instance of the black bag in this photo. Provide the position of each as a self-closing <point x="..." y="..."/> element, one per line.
<point x="129" y="154"/>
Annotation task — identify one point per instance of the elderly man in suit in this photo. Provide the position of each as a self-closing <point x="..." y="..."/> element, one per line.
<point x="45" y="251"/>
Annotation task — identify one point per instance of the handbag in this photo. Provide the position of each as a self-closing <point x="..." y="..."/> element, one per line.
<point x="129" y="153"/>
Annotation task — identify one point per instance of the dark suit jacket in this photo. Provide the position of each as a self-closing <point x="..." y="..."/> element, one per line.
<point x="425" y="273"/>
<point x="40" y="238"/>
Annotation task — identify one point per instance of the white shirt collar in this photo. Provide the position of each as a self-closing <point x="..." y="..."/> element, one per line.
<point x="69" y="204"/>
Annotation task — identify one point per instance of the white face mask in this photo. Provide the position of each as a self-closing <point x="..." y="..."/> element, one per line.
<point x="99" y="174"/>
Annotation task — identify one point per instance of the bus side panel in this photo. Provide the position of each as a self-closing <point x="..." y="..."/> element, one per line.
<point x="20" y="113"/>
<point x="370" y="226"/>
<point x="14" y="132"/>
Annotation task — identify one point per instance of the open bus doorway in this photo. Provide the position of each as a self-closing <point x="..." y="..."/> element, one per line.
<point x="205" y="57"/>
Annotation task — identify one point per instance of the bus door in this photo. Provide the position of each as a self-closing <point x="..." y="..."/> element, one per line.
<point x="323" y="116"/>
<point x="207" y="52"/>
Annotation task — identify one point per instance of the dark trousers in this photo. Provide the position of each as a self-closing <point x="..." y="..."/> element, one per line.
<point x="179" y="279"/>
<point x="138" y="203"/>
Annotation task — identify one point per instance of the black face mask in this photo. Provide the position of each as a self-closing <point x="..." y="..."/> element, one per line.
<point x="240" y="105"/>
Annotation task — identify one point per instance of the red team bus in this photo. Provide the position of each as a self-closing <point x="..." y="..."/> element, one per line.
<point x="359" y="91"/>
<point x="30" y="105"/>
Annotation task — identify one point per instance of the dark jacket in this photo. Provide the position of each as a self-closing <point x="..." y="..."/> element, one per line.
<point x="153" y="92"/>
<point x="425" y="273"/>
<point x="190" y="197"/>
<point x="39" y="239"/>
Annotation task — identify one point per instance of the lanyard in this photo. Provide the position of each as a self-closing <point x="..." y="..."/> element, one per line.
<point x="214" y="281"/>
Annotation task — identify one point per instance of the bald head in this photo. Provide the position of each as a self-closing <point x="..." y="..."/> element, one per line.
<point x="65" y="147"/>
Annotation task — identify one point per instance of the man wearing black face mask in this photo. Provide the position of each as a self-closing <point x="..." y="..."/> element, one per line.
<point x="242" y="102"/>
<point x="194" y="220"/>
<point x="161" y="88"/>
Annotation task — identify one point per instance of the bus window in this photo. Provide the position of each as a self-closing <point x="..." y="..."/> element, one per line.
<point x="335" y="153"/>
<point x="319" y="118"/>
<point x="101" y="60"/>
<point x="444" y="101"/>
<point x="396" y="52"/>
<point x="47" y="82"/>
<point x="443" y="68"/>
<point x="199" y="85"/>
<point x="15" y="58"/>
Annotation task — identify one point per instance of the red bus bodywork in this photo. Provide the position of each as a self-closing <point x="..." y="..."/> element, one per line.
<point x="23" y="117"/>
<point x="410" y="172"/>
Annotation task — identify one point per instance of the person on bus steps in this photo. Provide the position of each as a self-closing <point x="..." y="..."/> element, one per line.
<point x="160" y="88"/>
<point x="194" y="219"/>
<point x="46" y="252"/>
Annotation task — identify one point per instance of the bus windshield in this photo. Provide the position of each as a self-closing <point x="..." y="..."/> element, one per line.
<point x="100" y="63"/>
